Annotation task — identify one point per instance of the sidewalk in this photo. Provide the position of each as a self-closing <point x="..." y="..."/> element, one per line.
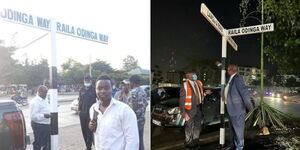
<point x="70" y="137"/>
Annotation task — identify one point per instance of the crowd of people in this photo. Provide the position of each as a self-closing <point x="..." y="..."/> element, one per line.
<point x="114" y="119"/>
<point x="111" y="121"/>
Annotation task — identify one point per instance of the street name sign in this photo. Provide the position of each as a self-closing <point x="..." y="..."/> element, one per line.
<point x="251" y="29"/>
<point x="217" y="25"/>
<point x="44" y="24"/>
<point x="226" y="36"/>
<point x="54" y="27"/>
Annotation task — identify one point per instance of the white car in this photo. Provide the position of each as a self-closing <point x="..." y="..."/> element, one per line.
<point x="74" y="105"/>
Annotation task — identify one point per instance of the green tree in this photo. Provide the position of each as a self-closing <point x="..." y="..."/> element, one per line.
<point x="284" y="14"/>
<point x="35" y="73"/>
<point x="284" y="43"/>
<point x="291" y="82"/>
<point x="6" y="64"/>
<point x="101" y="67"/>
<point x="72" y="72"/>
<point x="130" y="63"/>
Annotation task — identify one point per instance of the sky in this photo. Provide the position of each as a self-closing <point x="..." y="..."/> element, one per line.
<point x="127" y="24"/>
<point x="178" y="26"/>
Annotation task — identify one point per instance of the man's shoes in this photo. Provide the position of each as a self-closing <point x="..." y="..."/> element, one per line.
<point x="88" y="148"/>
<point x="192" y="146"/>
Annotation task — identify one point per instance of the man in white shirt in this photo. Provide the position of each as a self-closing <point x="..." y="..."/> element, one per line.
<point x="114" y="123"/>
<point x="40" y="120"/>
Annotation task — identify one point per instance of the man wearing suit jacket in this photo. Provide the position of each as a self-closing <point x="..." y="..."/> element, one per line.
<point x="190" y="103"/>
<point x="237" y="99"/>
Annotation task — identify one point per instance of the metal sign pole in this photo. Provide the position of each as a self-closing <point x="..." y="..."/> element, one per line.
<point x="53" y="89"/>
<point x="223" y="79"/>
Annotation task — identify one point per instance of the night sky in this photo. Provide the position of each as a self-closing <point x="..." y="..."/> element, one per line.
<point x="178" y="26"/>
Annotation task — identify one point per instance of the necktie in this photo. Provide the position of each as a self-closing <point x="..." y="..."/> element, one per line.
<point x="197" y="91"/>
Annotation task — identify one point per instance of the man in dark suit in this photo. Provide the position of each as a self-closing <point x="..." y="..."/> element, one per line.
<point x="87" y="97"/>
<point x="190" y="103"/>
<point x="237" y="100"/>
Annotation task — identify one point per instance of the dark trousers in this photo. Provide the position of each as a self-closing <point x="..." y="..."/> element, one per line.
<point x="86" y="132"/>
<point x="41" y="133"/>
<point x="236" y="128"/>
<point x="141" y="135"/>
<point x="192" y="131"/>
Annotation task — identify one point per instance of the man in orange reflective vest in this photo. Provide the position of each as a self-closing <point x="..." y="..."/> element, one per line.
<point x="190" y="103"/>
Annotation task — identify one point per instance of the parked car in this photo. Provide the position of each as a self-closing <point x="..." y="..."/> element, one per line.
<point x="165" y="110"/>
<point x="20" y="99"/>
<point x="74" y="105"/>
<point x="12" y="127"/>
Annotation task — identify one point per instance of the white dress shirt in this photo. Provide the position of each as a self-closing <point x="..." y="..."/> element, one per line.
<point x="39" y="107"/>
<point x="227" y="87"/>
<point x="116" y="127"/>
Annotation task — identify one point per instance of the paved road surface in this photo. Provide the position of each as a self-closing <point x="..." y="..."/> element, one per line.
<point x="173" y="138"/>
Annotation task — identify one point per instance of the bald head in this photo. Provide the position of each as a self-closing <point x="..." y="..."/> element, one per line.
<point x="232" y="69"/>
<point x="42" y="91"/>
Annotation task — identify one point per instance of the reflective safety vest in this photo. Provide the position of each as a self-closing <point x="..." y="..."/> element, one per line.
<point x="188" y="93"/>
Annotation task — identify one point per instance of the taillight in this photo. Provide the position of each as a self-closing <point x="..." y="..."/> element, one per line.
<point x="15" y="122"/>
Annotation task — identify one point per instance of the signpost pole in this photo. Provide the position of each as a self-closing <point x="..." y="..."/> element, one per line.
<point x="53" y="88"/>
<point x="223" y="79"/>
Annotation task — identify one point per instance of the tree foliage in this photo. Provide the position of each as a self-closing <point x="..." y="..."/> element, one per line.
<point x="72" y="72"/>
<point x="130" y="63"/>
<point x="100" y="67"/>
<point x="33" y="73"/>
<point x="282" y="48"/>
<point x="283" y="44"/>
<point x="291" y="82"/>
<point x="6" y="63"/>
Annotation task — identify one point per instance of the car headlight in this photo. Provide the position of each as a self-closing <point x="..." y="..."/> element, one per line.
<point x="285" y="97"/>
<point x="273" y="94"/>
<point x="174" y="111"/>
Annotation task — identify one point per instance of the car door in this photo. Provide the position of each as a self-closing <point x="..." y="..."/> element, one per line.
<point x="211" y="107"/>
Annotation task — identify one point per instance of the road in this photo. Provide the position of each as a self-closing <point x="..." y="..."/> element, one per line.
<point x="173" y="138"/>
<point x="70" y="135"/>
<point x="284" y="106"/>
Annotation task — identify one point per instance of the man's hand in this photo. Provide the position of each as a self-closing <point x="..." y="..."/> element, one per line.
<point x="207" y="92"/>
<point x="92" y="125"/>
<point x="186" y="117"/>
<point x="218" y="63"/>
<point x="47" y="116"/>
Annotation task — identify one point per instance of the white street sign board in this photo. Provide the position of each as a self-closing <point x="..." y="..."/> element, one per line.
<point x="216" y="24"/>
<point x="251" y="30"/>
<point x="232" y="43"/>
<point x="212" y="19"/>
<point x="44" y="24"/>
